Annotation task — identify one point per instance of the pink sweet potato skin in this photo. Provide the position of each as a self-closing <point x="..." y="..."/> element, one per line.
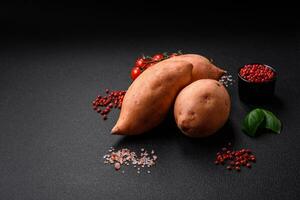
<point x="202" y="108"/>
<point x="149" y="98"/>
<point x="202" y="67"/>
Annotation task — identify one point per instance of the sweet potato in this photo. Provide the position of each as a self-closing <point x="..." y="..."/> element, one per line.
<point x="151" y="95"/>
<point x="202" y="67"/>
<point x="202" y="108"/>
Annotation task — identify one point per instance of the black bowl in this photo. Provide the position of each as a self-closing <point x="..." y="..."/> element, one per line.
<point x="256" y="92"/>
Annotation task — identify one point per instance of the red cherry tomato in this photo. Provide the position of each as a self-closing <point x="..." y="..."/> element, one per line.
<point x="140" y="62"/>
<point x="135" y="72"/>
<point x="158" y="57"/>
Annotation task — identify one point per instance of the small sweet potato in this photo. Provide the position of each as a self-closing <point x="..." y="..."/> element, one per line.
<point x="202" y="108"/>
<point x="150" y="96"/>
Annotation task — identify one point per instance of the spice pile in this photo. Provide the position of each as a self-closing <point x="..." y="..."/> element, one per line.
<point x="226" y="79"/>
<point x="257" y="73"/>
<point x="144" y="160"/>
<point x="111" y="100"/>
<point x="235" y="159"/>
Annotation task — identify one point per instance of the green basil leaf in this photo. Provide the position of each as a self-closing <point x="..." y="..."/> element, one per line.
<point x="253" y="121"/>
<point x="272" y="122"/>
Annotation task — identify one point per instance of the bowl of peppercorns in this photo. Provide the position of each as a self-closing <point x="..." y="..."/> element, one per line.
<point x="256" y="82"/>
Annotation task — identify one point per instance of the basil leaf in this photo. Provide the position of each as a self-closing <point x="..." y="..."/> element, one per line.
<point x="272" y="122"/>
<point x="253" y="121"/>
<point x="259" y="119"/>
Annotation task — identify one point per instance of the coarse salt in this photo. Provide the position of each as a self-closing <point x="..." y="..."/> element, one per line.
<point x="226" y="79"/>
<point x="127" y="157"/>
<point x="117" y="166"/>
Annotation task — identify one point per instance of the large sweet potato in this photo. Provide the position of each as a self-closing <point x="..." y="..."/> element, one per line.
<point x="151" y="95"/>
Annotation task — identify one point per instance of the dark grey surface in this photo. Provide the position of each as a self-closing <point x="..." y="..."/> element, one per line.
<point x="52" y="142"/>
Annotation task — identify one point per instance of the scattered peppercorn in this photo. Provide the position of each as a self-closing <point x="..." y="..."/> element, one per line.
<point x="257" y="73"/>
<point x="235" y="159"/>
<point x="113" y="99"/>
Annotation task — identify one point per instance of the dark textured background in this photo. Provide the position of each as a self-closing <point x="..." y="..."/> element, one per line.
<point x="56" y="57"/>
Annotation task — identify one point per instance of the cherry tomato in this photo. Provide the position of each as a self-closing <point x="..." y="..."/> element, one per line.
<point x="135" y="72"/>
<point x="140" y="62"/>
<point x="158" y="57"/>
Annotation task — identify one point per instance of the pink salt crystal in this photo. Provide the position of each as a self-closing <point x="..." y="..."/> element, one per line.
<point x="127" y="157"/>
<point x="117" y="166"/>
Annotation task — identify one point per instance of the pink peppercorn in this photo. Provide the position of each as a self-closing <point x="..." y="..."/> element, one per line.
<point x="257" y="73"/>
<point x="235" y="159"/>
<point x="113" y="99"/>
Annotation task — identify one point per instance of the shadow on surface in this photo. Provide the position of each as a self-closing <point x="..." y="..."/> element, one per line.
<point x="275" y="103"/>
<point x="215" y="142"/>
<point x="167" y="132"/>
